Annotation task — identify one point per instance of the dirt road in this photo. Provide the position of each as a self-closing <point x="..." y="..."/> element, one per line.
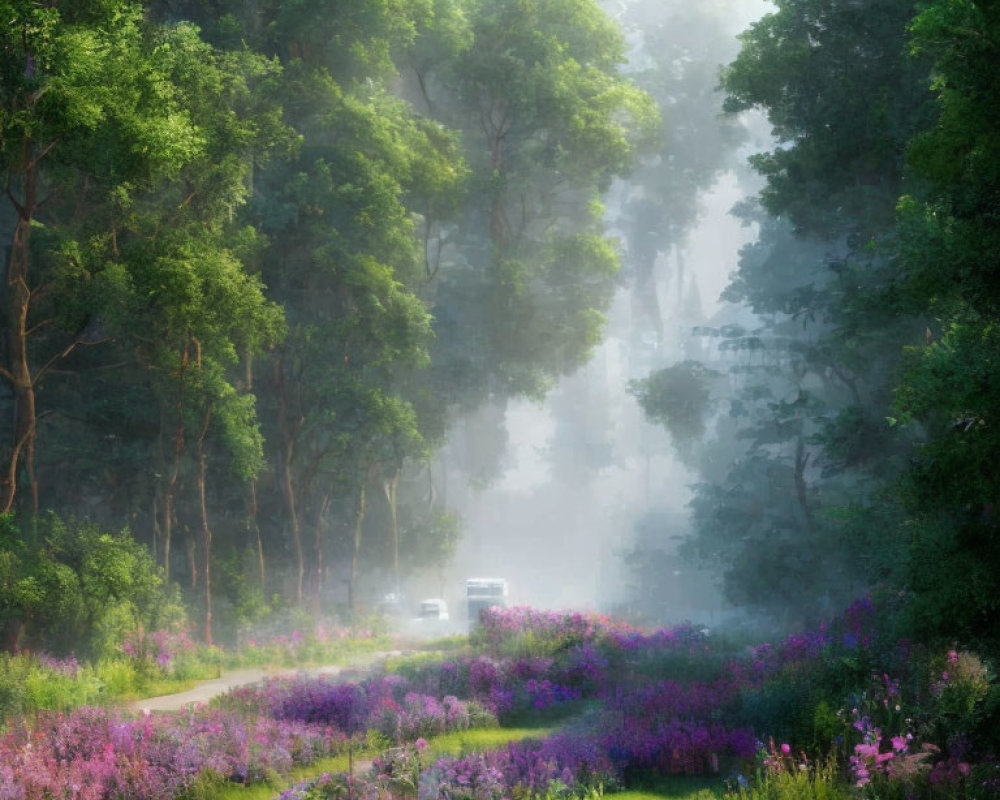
<point x="206" y="690"/>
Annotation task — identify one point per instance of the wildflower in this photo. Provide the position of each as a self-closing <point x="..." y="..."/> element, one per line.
<point x="420" y="744"/>
<point x="786" y="749"/>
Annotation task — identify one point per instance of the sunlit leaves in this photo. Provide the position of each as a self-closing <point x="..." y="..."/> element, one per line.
<point x="74" y="583"/>
<point x="543" y="77"/>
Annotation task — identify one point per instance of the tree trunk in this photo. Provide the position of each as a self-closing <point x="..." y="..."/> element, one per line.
<point x="801" y="488"/>
<point x="170" y="490"/>
<point x="359" y="521"/>
<point x="206" y="531"/>
<point x="191" y="550"/>
<point x="12" y="636"/>
<point x="169" y="493"/>
<point x="390" y="486"/>
<point x="256" y="529"/>
<point x="318" y="549"/>
<point x="17" y="371"/>
<point x="496" y="124"/>
<point x="289" y="433"/>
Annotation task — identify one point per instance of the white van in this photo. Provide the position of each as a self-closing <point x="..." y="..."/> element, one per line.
<point x="483" y="593"/>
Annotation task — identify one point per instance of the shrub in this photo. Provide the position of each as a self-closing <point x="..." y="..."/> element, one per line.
<point x="67" y="586"/>
<point x="29" y="684"/>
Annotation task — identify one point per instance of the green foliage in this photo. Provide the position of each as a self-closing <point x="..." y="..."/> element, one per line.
<point x="815" y="783"/>
<point x="951" y="488"/>
<point x="843" y="102"/>
<point x="810" y="456"/>
<point x="76" y="588"/>
<point x="269" y="283"/>
<point x="950" y="237"/>
<point x="28" y="686"/>
<point x="678" y="397"/>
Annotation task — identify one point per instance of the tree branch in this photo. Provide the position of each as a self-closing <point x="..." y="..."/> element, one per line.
<point x="60" y="356"/>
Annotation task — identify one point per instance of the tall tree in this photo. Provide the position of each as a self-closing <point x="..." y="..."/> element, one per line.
<point x="547" y="120"/>
<point x="803" y="423"/>
<point x="87" y="114"/>
<point x="947" y="255"/>
<point x="843" y="99"/>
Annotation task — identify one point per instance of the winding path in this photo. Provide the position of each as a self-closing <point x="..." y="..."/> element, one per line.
<point x="213" y="687"/>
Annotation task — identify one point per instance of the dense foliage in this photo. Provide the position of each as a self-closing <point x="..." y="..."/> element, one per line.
<point x="259" y="257"/>
<point x="842" y="434"/>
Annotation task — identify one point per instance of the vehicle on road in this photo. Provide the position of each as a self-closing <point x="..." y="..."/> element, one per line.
<point x="433" y="608"/>
<point x="483" y="593"/>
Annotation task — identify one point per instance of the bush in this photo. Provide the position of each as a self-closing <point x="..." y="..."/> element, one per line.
<point x="794" y="784"/>
<point x="29" y="684"/>
<point x="69" y="587"/>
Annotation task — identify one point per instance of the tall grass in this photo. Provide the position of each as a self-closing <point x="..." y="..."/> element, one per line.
<point x="29" y="685"/>
<point x="814" y="783"/>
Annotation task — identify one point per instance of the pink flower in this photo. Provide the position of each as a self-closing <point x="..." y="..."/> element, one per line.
<point x="786" y="749"/>
<point x="420" y="744"/>
<point x="866" y="750"/>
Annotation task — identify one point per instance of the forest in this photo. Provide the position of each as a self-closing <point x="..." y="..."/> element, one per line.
<point x="844" y="439"/>
<point x="260" y="257"/>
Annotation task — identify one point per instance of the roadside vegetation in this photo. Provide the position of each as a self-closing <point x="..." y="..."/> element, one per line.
<point x="261" y="259"/>
<point x="548" y="705"/>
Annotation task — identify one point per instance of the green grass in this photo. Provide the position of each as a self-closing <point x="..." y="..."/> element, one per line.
<point x="675" y="788"/>
<point x="461" y="743"/>
<point x="457" y="743"/>
<point x="269" y="790"/>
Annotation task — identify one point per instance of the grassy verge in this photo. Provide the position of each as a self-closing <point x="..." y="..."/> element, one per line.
<point x="676" y="788"/>
<point x="457" y="743"/>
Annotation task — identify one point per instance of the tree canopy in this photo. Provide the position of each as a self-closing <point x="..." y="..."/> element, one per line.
<point x="259" y="258"/>
<point x="856" y="427"/>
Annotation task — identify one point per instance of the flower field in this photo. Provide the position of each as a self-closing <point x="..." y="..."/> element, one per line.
<point x="843" y="707"/>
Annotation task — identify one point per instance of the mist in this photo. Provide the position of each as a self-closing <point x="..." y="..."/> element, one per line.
<point x="368" y="333"/>
<point x="580" y="468"/>
<point x="600" y="303"/>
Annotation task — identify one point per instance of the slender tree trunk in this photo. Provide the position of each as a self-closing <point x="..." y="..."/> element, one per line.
<point x="191" y="549"/>
<point x="169" y="493"/>
<point x="289" y="433"/>
<point x="170" y="490"/>
<point x="496" y="124"/>
<point x="206" y="531"/>
<point x="390" y="486"/>
<point x="256" y="530"/>
<point x="156" y="526"/>
<point x="293" y="517"/>
<point x="318" y="549"/>
<point x="17" y="371"/>
<point x="359" y="521"/>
